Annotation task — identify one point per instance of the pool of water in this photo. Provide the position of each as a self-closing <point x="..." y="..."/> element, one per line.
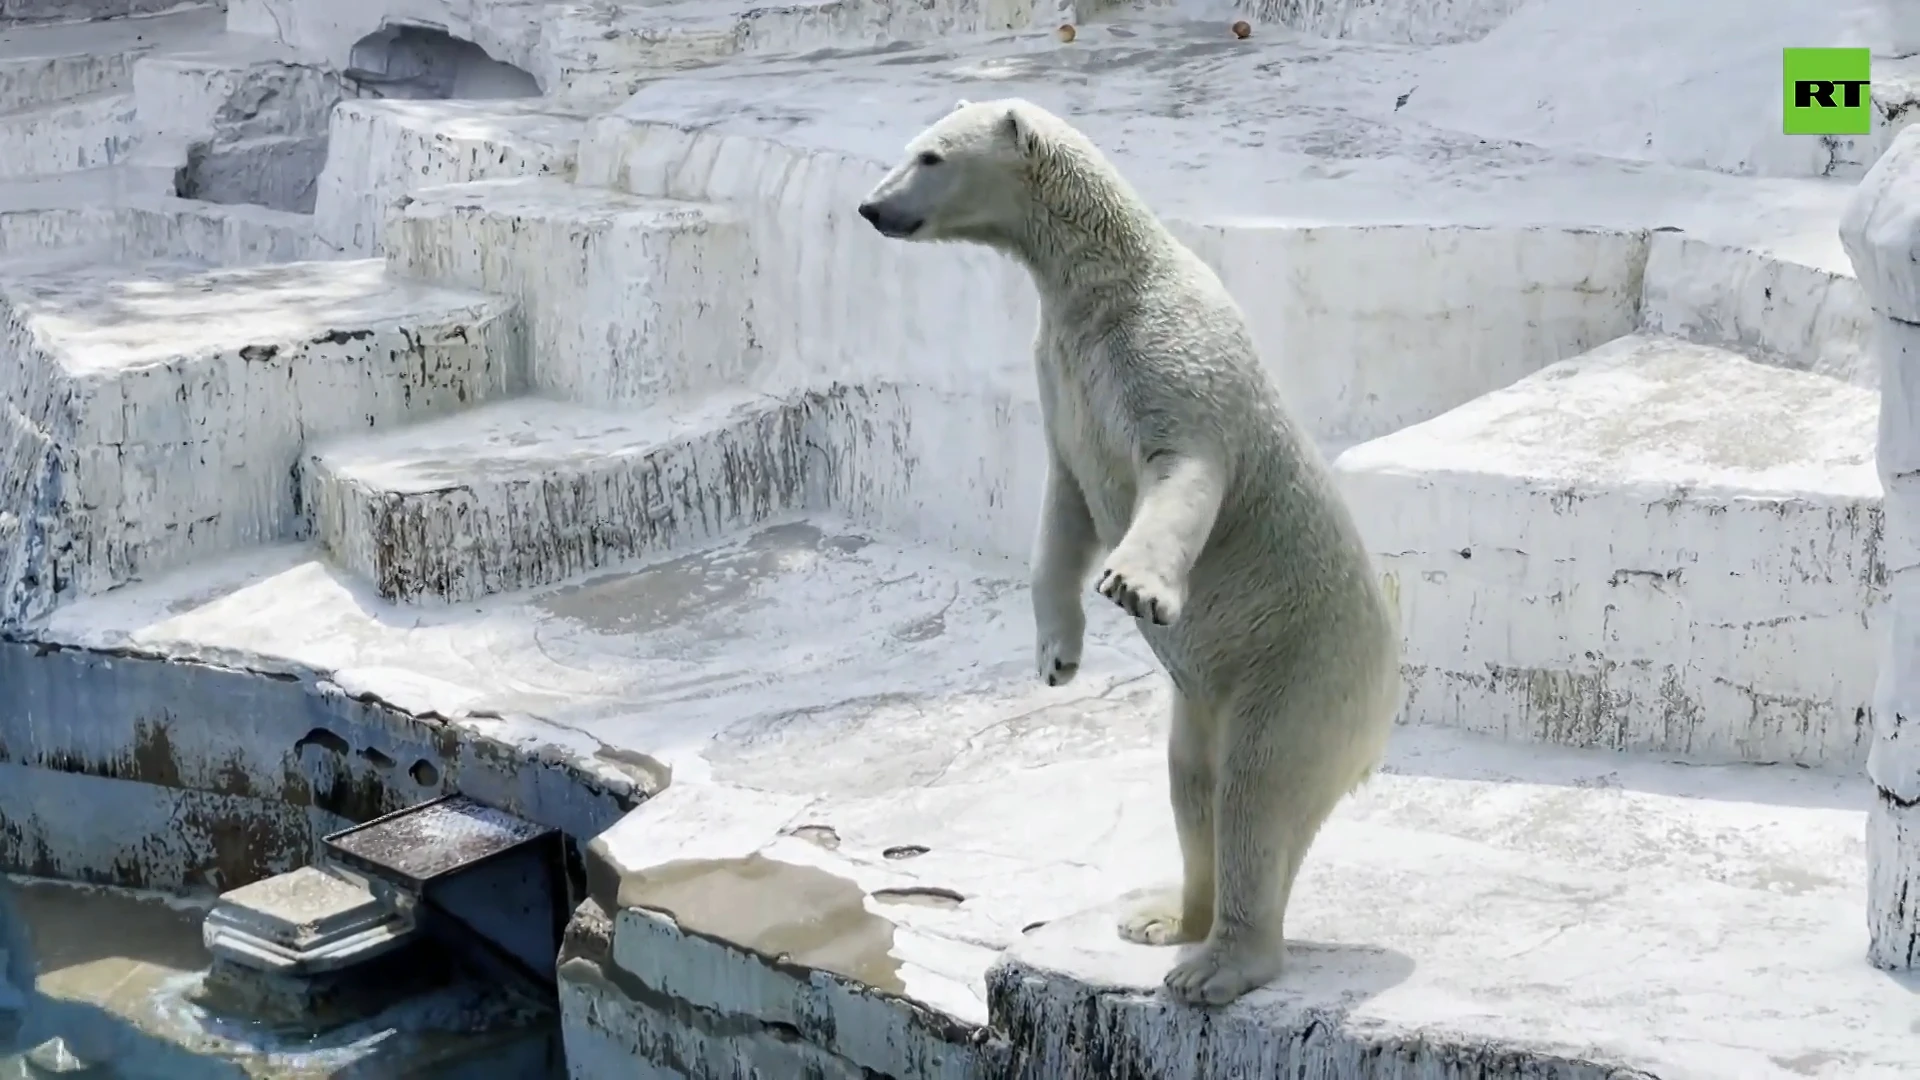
<point x="116" y="975"/>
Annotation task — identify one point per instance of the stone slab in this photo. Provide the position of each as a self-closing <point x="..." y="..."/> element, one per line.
<point x="1656" y="545"/>
<point x="156" y="410"/>
<point x="628" y="300"/>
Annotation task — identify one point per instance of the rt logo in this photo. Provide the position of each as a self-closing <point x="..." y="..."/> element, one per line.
<point x="1827" y="92"/>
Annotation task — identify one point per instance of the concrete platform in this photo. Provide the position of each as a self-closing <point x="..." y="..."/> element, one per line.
<point x="1669" y="546"/>
<point x="155" y="412"/>
<point x="629" y="301"/>
<point x="1476" y="908"/>
<point x="381" y="149"/>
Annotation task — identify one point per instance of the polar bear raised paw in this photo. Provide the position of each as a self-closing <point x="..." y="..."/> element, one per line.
<point x="1140" y="592"/>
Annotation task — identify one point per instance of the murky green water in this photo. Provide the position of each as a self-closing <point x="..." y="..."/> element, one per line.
<point x="116" y="971"/>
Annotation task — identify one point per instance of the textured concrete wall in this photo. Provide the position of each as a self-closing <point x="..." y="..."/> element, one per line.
<point x="1881" y="232"/>
<point x="146" y="772"/>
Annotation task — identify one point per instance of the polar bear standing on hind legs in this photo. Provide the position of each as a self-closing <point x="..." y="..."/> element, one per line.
<point x="1225" y="537"/>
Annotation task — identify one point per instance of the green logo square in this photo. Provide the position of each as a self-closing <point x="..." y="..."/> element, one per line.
<point x="1828" y="91"/>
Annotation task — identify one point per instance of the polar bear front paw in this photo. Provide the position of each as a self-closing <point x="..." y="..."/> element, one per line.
<point x="1140" y="592"/>
<point x="1058" y="658"/>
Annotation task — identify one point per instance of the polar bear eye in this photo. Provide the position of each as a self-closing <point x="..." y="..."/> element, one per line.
<point x="928" y="157"/>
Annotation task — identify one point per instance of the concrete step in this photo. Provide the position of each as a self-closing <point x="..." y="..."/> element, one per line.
<point x="629" y="300"/>
<point x="41" y="65"/>
<point x="153" y="414"/>
<point x="601" y="51"/>
<point x="1657" y="545"/>
<point x="526" y="493"/>
<point x="382" y="149"/>
<point x="89" y="132"/>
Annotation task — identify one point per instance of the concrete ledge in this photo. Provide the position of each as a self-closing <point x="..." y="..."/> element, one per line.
<point x="1077" y="1011"/>
<point x="147" y="226"/>
<point x="40" y="65"/>
<point x="628" y="300"/>
<point x="1656" y="546"/>
<point x="1787" y="312"/>
<point x="381" y="149"/>
<point x="607" y="52"/>
<point x="84" y="133"/>
<point x="529" y="492"/>
<point x="30" y="12"/>
<point x="153" y="415"/>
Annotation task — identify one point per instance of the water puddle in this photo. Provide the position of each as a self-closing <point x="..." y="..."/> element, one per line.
<point x="117" y="973"/>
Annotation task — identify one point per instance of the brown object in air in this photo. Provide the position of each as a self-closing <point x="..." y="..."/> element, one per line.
<point x="1065" y="33"/>
<point x="1241" y="29"/>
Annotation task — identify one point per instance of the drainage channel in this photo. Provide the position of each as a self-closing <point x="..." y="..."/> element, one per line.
<point x="420" y="944"/>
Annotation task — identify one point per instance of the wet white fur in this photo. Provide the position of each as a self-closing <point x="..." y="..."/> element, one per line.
<point x="1172" y="453"/>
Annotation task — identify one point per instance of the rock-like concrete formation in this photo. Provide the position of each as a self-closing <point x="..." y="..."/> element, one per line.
<point x="156" y="411"/>
<point x="619" y="465"/>
<point x="1882" y="234"/>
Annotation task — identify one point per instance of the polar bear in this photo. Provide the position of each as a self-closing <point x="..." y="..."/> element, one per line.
<point x="1224" y="536"/>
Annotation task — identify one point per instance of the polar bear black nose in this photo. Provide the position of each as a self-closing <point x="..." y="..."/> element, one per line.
<point x="870" y="212"/>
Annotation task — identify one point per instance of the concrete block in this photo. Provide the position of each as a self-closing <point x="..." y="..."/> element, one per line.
<point x="1655" y="546"/>
<point x="629" y="300"/>
<point x="528" y="492"/>
<point x="381" y="149"/>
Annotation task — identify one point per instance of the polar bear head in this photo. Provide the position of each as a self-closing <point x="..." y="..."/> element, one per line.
<point x="965" y="178"/>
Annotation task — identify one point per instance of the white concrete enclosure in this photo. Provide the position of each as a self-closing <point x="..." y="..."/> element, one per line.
<point x="523" y="369"/>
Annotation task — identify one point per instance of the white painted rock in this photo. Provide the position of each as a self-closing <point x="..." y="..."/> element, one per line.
<point x="1881" y="229"/>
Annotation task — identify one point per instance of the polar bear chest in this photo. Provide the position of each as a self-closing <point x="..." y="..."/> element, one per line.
<point x="1092" y="438"/>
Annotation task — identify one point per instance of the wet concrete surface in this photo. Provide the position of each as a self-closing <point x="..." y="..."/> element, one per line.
<point x="117" y="971"/>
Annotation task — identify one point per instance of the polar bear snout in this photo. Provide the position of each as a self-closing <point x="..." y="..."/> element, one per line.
<point x="891" y="222"/>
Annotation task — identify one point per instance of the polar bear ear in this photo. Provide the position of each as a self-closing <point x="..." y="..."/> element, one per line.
<point x="961" y="104"/>
<point x="1019" y="129"/>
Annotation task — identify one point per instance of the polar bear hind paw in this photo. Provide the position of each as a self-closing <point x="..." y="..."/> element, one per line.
<point x="1218" y="973"/>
